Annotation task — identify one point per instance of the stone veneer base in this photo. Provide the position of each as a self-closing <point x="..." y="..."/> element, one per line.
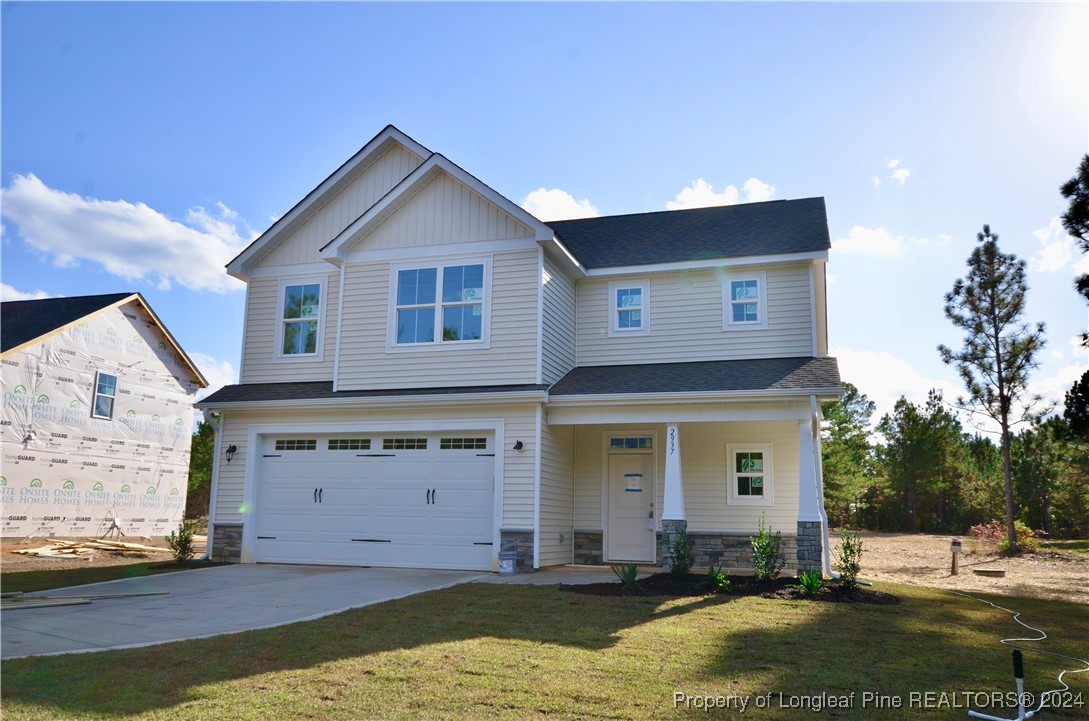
<point x="589" y="548"/>
<point x="522" y="543"/>
<point x="226" y="541"/>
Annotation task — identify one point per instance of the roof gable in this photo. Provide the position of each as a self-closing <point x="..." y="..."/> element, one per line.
<point x="316" y="199"/>
<point x="26" y="322"/>
<point x="774" y="227"/>
<point x="432" y="168"/>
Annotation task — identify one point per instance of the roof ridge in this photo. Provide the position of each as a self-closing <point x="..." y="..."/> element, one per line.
<point x="685" y="210"/>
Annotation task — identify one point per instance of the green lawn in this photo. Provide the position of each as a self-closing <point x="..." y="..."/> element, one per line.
<point x="27" y="581"/>
<point x="489" y="651"/>
<point x="1077" y="545"/>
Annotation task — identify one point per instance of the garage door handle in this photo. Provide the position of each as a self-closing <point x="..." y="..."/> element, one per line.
<point x="371" y="540"/>
<point x="433" y="494"/>
<point x="315" y="495"/>
<point x="320" y="491"/>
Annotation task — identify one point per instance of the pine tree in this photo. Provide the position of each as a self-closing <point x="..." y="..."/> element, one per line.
<point x="999" y="350"/>
<point x="1076" y="222"/>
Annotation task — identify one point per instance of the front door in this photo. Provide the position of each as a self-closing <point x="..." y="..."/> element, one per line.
<point x="631" y="508"/>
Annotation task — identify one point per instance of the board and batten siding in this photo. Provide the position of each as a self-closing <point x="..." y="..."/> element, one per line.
<point x="558" y="323"/>
<point x="259" y="359"/>
<point x="703" y="471"/>
<point x="304" y="245"/>
<point x="519" y="422"/>
<point x="557" y="495"/>
<point x="820" y="302"/>
<point x="686" y="320"/>
<point x="365" y="363"/>
<point x="442" y="211"/>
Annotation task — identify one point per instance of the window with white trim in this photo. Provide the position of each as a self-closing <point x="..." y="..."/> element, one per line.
<point x="440" y="304"/>
<point x="301" y="318"/>
<point x="104" y="396"/>
<point x="629" y="307"/>
<point x="744" y="301"/>
<point x="749" y="474"/>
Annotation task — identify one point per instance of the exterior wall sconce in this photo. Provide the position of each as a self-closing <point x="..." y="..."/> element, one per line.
<point x="519" y="446"/>
<point x="231" y="450"/>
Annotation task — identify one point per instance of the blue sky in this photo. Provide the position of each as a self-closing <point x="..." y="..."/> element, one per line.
<point x="144" y="144"/>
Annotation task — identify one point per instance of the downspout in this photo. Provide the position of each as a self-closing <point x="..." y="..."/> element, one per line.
<point x="826" y="560"/>
<point x="213" y="492"/>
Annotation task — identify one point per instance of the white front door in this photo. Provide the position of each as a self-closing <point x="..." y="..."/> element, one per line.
<point x="631" y="535"/>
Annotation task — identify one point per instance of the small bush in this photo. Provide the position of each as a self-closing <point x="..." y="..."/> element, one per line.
<point x="809" y="583"/>
<point x="627" y="575"/>
<point x="717" y="577"/>
<point x="181" y="542"/>
<point x="989" y="533"/>
<point x="680" y="548"/>
<point x="1027" y="539"/>
<point x="849" y="558"/>
<point x="767" y="560"/>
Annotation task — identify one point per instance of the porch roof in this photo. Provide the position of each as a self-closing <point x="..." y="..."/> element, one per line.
<point x="778" y="376"/>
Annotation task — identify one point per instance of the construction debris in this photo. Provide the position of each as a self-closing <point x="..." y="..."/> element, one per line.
<point x="22" y="600"/>
<point x="81" y="549"/>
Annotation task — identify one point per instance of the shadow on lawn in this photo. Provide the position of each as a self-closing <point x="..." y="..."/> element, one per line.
<point x="160" y="677"/>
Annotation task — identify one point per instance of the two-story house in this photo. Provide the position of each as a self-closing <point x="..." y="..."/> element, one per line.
<point x="431" y="375"/>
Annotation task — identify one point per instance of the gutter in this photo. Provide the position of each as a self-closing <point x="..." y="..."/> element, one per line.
<point x="406" y="401"/>
<point x="768" y="395"/>
<point x="217" y="429"/>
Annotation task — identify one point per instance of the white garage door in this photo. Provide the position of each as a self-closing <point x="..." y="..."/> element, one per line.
<point x="421" y="500"/>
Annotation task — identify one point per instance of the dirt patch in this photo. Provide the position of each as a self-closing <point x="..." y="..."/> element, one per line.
<point x="12" y="562"/>
<point x="921" y="559"/>
<point x="666" y="584"/>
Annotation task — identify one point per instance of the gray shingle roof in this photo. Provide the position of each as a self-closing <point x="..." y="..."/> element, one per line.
<point x="701" y="376"/>
<point x="22" y="321"/>
<point x="732" y="231"/>
<point x="323" y="390"/>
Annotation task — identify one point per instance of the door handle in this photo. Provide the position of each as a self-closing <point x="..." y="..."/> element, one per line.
<point x="320" y="491"/>
<point x="433" y="494"/>
<point x="427" y="496"/>
<point x="315" y="495"/>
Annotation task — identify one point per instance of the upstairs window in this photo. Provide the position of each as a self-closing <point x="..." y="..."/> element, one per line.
<point x="301" y="319"/>
<point x="104" y="396"/>
<point x="440" y="304"/>
<point x="744" y="301"/>
<point x="629" y="308"/>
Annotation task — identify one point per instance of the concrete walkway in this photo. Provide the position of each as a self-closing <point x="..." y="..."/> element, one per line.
<point x="207" y="602"/>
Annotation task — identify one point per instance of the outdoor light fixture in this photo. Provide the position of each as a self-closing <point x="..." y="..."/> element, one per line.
<point x="519" y="446"/>
<point x="231" y="450"/>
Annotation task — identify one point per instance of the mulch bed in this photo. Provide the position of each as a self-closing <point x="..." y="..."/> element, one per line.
<point x="666" y="584"/>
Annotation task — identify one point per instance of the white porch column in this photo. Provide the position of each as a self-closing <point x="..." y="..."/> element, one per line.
<point x="673" y="505"/>
<point x="808" y="509"/>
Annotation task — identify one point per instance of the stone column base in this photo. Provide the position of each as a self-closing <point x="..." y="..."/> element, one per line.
<point x="665" y="540"/>
<point x="226" y="540"/>
<point x="522" y="543"/>
<point x="810" y="546"/>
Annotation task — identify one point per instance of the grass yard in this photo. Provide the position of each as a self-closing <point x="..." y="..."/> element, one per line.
<point x="491" y="651"/>
<point x="42" y="580"/>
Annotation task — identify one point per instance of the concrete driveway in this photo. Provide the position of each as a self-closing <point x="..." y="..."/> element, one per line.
<point x="206" y="602"/>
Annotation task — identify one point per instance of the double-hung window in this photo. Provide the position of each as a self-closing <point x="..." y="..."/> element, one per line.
<point x="629" y="307"/>
<point x="301" y="318"/>
<point x="744" y="301"/>
<point x="104" y="396"/>
<point x="440" y="304"/>
<point x="749" y="474"/>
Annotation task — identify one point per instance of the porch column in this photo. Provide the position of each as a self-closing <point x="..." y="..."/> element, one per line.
<point x="673" y="506"/>
<point x="673" y="502"/>
<point x="809" y="518"/>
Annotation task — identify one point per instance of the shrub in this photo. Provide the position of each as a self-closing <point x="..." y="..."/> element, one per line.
<point x="181" y="542"/>
<point x="849" y="558"/>
<point x="717" y="577"/>
<point x="989" y="533"/>
<point x="767" y="560"/>
<point x="627" y="574"/>
<point x="809" y="582"/>
<point x="1027" y="539"/>
<point x="680" y="548"/>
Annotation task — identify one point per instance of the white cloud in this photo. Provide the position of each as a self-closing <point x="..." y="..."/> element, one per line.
<point x="556" y="204"/>
<point x="872" y="241"/>
<point x="1058" y="250"/>
<point x="8" y="293"/>
<point x="876" y="181"/>
<point x="884" y="378"/>
<point x="900" y="174"/>
<point x="218" y="373"/>
<point x="129" y="240"/>
<point x="701" y="194"/>
<point x="1053" y="388"/>
<point x="892" y="164"/>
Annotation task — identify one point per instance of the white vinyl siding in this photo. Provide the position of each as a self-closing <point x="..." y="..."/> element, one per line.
<point x="260" y="362"/>
<point x="304" y="245"/>
<point x="557" y="495"/>
<point x="703" y="468"/>
<point x="518" y="468"/>
<point x="443" y="211"/>
<point x="510" y="359"/>
<point x="686" y="315"/>
<point x="558" y="323"/>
